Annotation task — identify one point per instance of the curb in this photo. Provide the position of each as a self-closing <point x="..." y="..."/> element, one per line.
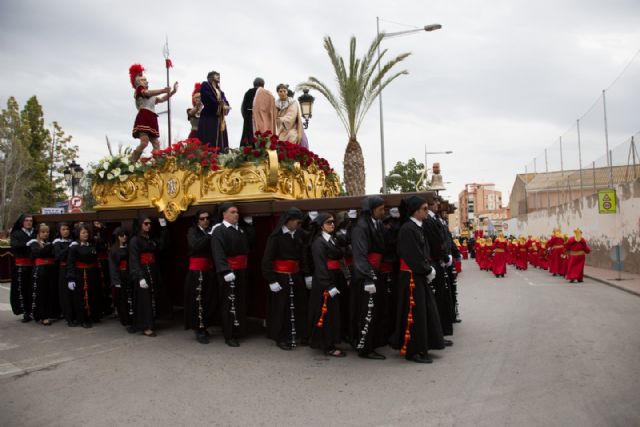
<point x="613" y="285"/>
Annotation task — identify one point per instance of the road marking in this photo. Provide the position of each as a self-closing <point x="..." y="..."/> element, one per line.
<point x="5" y="287"/>
<point x="7" y="346"/>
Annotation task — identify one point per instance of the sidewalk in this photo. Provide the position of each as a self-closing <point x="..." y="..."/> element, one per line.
<point x="630" y="282"/>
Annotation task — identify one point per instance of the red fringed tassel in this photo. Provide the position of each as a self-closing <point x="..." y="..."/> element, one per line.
<point x="168" y="63"/>
<point x="324" y="310"/>
<point x="85" y="288"/>
<point x="412" y="303"/>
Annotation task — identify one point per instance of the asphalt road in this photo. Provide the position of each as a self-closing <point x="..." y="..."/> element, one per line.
<point x="531" y="351"/>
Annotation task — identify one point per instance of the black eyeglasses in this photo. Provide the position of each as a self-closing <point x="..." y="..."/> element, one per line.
<point x="331" y="222"/>
<point x="146" y="223"/>
<point x="204" y="218"/>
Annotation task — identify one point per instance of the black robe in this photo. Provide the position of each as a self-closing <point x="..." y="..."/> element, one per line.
<point x="21" y="276"/>
<point x="44" y="301"/>
<point x="100" y="243"/>
<point x="86" y="295"/>
<point x="426" y="330"/>
<point x="209" y="125"/>
<point x="65" y="296"/>
<point x="199" y="285"/>
<point x="327" y="334"/>
<point x="247" y="114"/>
<point x="230" y="242"/>
<point x="291" y="301"/>
<point x="367" y="330"/>
<point x="121" y="283"/>
<point x="434" y="234"/>
<point x="144" y="311"/>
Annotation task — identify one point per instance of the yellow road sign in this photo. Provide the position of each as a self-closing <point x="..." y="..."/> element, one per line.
<point x="607" y="201"/>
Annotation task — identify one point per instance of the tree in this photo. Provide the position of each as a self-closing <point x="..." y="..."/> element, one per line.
<point x="358" y="87"/>
<point x="15" y="163"/>
<point x="405" y="177"/>
<point x="39" y="187"/>
<point x="58" y="152"/>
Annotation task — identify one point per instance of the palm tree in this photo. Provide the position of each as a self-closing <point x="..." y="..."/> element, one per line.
<point x="358" y="87"/>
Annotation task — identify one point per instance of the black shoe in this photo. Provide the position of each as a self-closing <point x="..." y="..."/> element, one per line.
<point x="285" y="345"/>
<point x="448" y="343"/>
<point x="420" y="358"/>
<point x="373" y="355"/>
<point x="304" y="342"/>
<point x="72" y="324"/>
<point x="457" y="320"/>
<point x="233" y="342"/>
<point x="202" y="338"/>
<point x="26" y="319"/>
<point x="87" y="325"/>
<point x="132" y="330"/>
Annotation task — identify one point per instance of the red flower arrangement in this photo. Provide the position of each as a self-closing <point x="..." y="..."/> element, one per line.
<point x="288" y="154"/>
<point x="190" y="154"/>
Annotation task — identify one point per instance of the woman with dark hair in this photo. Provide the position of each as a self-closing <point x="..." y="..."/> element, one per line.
<point x="282" y="267"/>
<point x="145" y="274"/>
<point x="82" y="277"/>
<point x="199" y="289"/>
<point x="61" y="253"/>
<point x="417" y="326"/>
<point x="119" y="275"/>
<point x="43" y="305"/>
<point x="21" y="280"/>
<point x="324" y="302"/>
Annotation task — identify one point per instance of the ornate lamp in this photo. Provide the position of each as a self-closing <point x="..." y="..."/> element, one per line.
<point x="306" y="106"/>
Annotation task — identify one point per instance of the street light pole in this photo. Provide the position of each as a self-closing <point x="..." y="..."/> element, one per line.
<point x="427" y="28"/>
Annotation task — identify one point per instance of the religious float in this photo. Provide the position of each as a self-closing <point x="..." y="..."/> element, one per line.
<point x="190" y="173"/>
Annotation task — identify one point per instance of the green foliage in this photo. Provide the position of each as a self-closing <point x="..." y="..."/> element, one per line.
<point x="405" y="177"/>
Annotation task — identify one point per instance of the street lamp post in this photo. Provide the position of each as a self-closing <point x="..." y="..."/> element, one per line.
<point x="426" y="167"/>
<point x="73" y="174"/>
<point x="427" y="28"/>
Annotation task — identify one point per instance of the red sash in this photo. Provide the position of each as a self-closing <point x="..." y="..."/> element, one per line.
<point x="24" y="262"/>
<point x="286" y="266"/>
<point x="333" y="264"/>
<point x="123" y="265"/>
<point x="86" y="265"/>
<point x="200" y="264"/>
<point x="103" y="256"/>
<point x="238" y="262"/>
<point x="404" y="266"/>
<point x="374" y="259"/>
<point x="45" y="261"/>
<point x="147" y="258"/>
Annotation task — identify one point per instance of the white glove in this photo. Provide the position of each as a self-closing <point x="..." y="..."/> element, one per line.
<point x="307" y="281"/>
<point x="248" y="219"/>
<point x="229" y="277"/>
<point x="163" y="222"/>
<point x="143" y="284"/>
<point x="117" y="285"/>
<point x="450" y="262"/>
<point x="333" y="292"/>
<point x="275" y="287"/>
<point x="71" y="286"/>
<point x="370" y="287"/>
<point x="431" y="275"/>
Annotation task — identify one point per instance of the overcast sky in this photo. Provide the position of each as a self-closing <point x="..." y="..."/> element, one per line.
<point x="501" y="81"/>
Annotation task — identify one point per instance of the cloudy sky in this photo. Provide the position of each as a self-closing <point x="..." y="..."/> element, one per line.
<point x="501" y="81"/>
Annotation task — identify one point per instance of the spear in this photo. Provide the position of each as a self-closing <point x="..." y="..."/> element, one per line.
<point x="168" y="64"/>
<point x="109" y="145"/>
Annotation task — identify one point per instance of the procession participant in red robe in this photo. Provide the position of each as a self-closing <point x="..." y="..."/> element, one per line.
<point x="577" y="249"/>
<point x="499" y="248"/>
<point x="555" y="245"/>
<point x="464" y="249"/>
<point x="523" y="258"/>
<point x="543" y="254"/>
<point x="457" y="263"/>
<point x="488" y="254"/>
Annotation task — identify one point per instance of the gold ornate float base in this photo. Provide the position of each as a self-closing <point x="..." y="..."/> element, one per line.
<point x="173" y="189"/>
